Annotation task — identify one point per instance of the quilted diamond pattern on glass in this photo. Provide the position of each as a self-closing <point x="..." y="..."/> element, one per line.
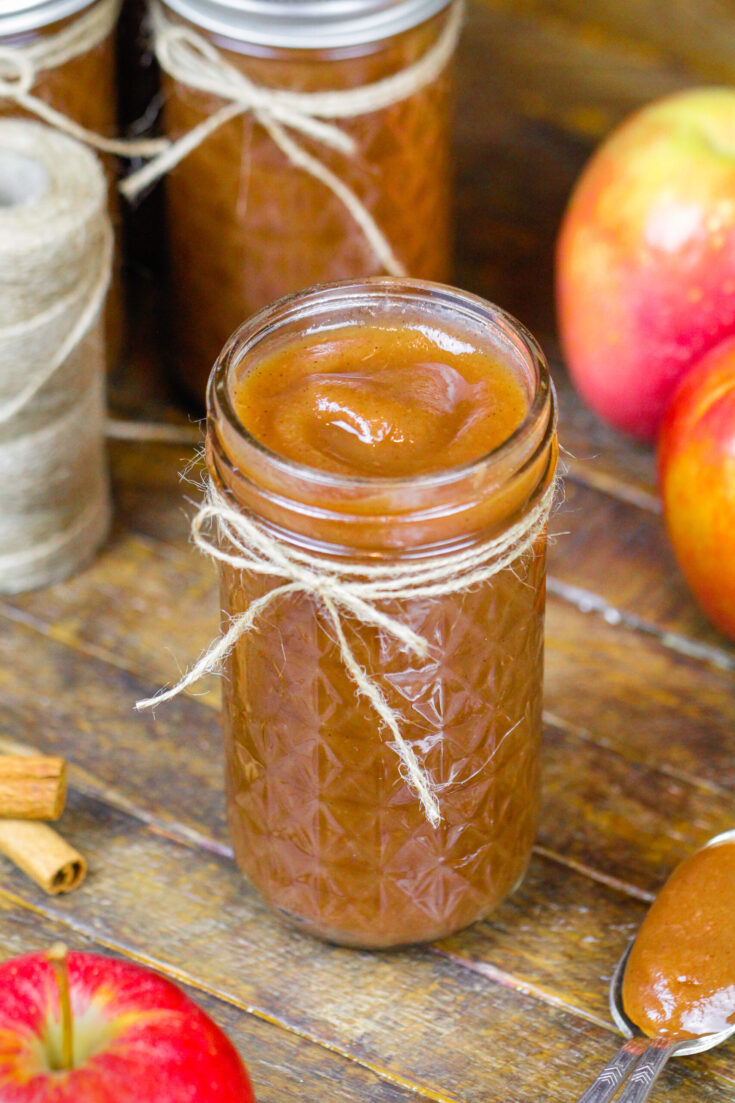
<point x="321" y="818"/>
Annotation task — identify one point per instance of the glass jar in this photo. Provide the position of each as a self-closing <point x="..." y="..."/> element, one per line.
<point x="245" y="225"/>
<point x="322" y="820"/>
<point x="82" y="88"/>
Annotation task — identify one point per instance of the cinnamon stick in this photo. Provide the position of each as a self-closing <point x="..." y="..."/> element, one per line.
<point x="43" y="855"/>
<point x="32" y="787"/>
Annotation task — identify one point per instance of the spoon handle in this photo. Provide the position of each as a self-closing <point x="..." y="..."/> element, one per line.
<point x="615" y="1072"/>
<point x="647" y="1072"/>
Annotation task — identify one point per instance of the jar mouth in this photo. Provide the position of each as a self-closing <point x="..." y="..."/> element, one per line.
<point x="308" y="24"/>
<point x="310" y="305"/>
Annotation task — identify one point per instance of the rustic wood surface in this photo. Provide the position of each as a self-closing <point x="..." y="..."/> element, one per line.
<point x="639" y="754"/>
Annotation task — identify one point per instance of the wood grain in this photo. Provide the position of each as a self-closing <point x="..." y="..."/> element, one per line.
<point x="699" y="37"/>
<point x="650" y="704"/>
<point x="128" y="607"/>
<point x="630" y="692"/>
<point x="282" y="1064"/>
<point x="640" y="743"/>
<point x="417" y="1014"/>
<point x="620" y="823"/>
<point x="614" y="558"/>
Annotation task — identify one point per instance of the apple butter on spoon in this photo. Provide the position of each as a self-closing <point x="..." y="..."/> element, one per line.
<point x="673" y="991"/>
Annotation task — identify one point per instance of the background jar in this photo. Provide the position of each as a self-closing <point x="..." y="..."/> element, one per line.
<point x="245" y="226"/>
<point x="321" y="818"/>
<point x="82" y="88"/>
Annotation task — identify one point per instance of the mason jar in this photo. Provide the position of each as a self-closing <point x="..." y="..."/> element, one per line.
<point x="246" y="225"/>
<point x="82" y="87"/>
<point x="323" y="815"/>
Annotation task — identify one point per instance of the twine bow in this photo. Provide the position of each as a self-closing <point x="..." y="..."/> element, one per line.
<point x="191" y="60"/>
<point x="232" y="537"/>
<point x="21" y="65"/>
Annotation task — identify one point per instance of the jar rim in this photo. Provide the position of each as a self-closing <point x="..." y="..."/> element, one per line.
<point x="360" y="292"/>
<point x="307" y="24"/>
<point x="19" y="16"/>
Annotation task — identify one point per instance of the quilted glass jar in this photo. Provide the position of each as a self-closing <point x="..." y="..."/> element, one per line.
<point x="245" y="224"/>
<point x="322" y="818"/>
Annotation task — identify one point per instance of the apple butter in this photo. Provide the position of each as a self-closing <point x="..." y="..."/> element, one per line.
<point x="245" y="225"/>
<point x="680" y="977"/>
<point x="378" y="422"/>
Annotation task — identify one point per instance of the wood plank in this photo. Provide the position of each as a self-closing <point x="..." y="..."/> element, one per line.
<point x="565" y="71"/>
<point x="615" y="558"/>
<point x="282" y="1065"/>
<point x="624" y="690"/>
<point x="629" y="692"/>
<point x="612" y="812"/>
<point x="626" y="825"/>
<point x="645" y="583"/>
<point x="414" y="1014"/>
<point x="621" y="820"/>
<point x="141" y="604"/>
<point x="166" y="765"/>
<point x="596" y="454"/>
<point x="150" y="494"/>
<point x="700" y="37"/>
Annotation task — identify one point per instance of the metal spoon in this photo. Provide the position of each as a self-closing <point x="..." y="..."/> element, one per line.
<point x="640" y="1060"/>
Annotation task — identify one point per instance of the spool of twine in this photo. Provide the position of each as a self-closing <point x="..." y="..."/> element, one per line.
<point x="55" y="262"/>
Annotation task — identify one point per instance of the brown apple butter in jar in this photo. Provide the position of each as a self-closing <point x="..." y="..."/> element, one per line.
<point x="80" y="86"/>
<point x="245" y="224"/>
<point x="375" y="424"/>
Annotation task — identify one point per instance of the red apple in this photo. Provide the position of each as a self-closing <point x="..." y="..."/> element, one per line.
<point x="89" y="1029"/>
<point x="697" y="477"/>
<point x="646" y="256"/>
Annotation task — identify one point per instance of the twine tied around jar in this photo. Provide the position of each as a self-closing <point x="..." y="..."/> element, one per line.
<point x="20" y="67"/>
<point x="56" y="247"/>
<point x="191" y="60"/>
<point x="233" y="537"/>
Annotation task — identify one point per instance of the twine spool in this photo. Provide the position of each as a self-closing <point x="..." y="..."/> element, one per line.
<point x="55" y="263"/>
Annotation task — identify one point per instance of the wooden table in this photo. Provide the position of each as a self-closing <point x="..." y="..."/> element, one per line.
<point x="639" y="757"/>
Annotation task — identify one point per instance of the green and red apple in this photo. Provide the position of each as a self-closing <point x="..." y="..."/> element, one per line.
<point x="646" y="257"/>
<point x="696" y="455"/>
<point x="84" y="1028"/>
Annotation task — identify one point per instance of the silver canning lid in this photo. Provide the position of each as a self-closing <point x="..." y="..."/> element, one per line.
<point x="307" y="24"/>
<point x="19" y="16"/>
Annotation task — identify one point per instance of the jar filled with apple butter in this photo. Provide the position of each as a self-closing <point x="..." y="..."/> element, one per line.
<point x="382" y="456"/>
<point x="62" y="52"/>
<point x="80" y="82"/>
<point x="266" y="203"/>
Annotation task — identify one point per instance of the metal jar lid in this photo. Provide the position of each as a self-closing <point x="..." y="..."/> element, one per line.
<point x="307" y="24"/>
<point x="19" y="16"/>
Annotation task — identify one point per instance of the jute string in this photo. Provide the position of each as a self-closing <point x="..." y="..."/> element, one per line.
<point x="355" y="591"/>
<point x="20" y="67"/>
<point x="55" y="264"/>
<point x="191" y="60"/>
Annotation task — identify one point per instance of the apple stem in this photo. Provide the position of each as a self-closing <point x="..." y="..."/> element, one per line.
<point x="57" y="958"/>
